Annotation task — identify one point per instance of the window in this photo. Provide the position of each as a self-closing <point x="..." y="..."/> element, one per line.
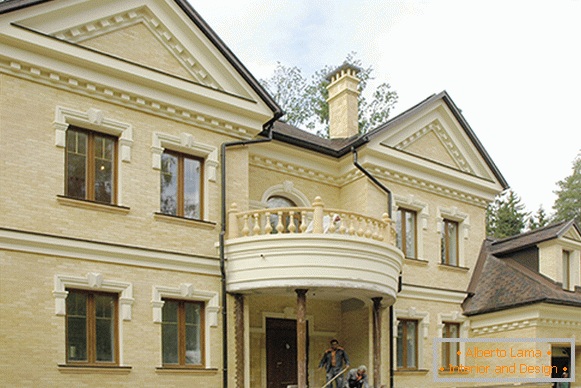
<point x="406" y="232"/>
<point x="450" y="349"/>
<point x="181" y="185"/>
<point x="566" y="269"/>
<point x="91" y="328"/>
<point x="449" y="242"/>
<point x="281" y="202"/>
<point x="90" y="171"/>
<point x="407" y="344"/>
<point x="182" y="334"/>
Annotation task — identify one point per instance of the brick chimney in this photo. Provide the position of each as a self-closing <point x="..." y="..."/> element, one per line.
<point x="343" y="104"/>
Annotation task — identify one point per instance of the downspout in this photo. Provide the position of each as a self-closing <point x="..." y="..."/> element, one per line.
<point x="391" y="316"/>
<point x="268" y="127"/>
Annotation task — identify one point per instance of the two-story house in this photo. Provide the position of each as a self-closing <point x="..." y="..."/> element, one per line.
<point x="161" y="227"/>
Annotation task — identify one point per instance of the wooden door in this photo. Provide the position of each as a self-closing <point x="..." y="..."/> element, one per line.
<point x="281" y="352"/>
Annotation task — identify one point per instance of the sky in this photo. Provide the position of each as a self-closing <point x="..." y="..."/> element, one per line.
<point x="512" y="67"/>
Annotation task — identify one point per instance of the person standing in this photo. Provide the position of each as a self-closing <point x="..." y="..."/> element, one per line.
<point x="357" y="378"/>
<point x="333" y="361"/>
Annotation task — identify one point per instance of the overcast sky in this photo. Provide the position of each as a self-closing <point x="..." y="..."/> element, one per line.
<point x="512" y="67"/>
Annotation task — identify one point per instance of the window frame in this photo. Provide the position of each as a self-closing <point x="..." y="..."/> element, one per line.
<point x="446" y="351"/>
<point x="404" y="360"/>
<point x="180" y="184"/>
<point x="181" y="335"/>
<point x="401" y="212"/>
<point x="444" y="240"/>
<point x="91" y="330"/>
<point x="90" y="165"/>
<point x="566" y="270"/>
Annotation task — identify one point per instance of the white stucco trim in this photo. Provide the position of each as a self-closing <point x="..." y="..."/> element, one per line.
<point x="186" y="291"/>
<point x="96" y="282"/>
<point x="454" y="317"/>
<point x="423" y="318"/>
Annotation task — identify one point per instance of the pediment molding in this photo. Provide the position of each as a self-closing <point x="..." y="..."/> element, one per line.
<point x="86" y="31"/>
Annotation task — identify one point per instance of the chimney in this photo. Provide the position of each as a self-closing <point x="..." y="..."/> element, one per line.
<point x="343" y="104"/>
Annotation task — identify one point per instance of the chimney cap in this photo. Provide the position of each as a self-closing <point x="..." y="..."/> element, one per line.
<point x="344" y="66"/>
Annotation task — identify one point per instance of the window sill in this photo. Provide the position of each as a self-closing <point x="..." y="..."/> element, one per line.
<point x="453" y="267"/>
<point x="416" y="261"/>
<point x="410" y="371"/>
<point x="116" y="370"/>
<point x="183" y="220"/>
<point x="91" y="205"/>
<point x="199" y="371"/>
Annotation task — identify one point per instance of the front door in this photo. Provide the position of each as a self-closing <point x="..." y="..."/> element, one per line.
<point x="281" y="352"/>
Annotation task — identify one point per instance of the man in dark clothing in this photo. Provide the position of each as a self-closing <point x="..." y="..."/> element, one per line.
<point x="333" y="360"/>
<point x="357" y="378"/>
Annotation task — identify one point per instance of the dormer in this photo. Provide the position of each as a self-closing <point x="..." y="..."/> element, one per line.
<point x="560" y="258"/>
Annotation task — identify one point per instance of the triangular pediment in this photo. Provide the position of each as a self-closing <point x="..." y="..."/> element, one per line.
<point x="572" y="234"/>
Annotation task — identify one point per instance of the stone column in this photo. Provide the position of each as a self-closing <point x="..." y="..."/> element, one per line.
<point x="239" y="329"/>
<point x="376" y="342"/>
<point x="302" y="338"/>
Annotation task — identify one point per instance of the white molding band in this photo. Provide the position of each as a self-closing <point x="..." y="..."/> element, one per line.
<point x="96" y="282"/>
<point x="93" y="119"/>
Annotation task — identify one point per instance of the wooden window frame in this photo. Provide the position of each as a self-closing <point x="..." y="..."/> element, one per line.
<point x="403" y="322"/>
<point x="180" y="189"/>
<point x="446" y="242"/>
<point x="401" y="214"/>
<point x="446" y="355"/>
<point x="566" y="281"/>
<point x="182" y="337"/>
<point x="91" y="330"/>
<point x="90" y="165"/>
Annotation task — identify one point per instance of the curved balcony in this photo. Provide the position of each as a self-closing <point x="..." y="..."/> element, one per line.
<point x="336" y="253"/>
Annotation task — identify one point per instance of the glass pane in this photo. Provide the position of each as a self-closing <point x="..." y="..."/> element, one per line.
<point x="410" y="228"/>
<point x="104" y="177"/>
<point x="105" y="327"/>
<point x="193" y="345"/>
<point x="192" y="179"/>
<point x="193" y="313"/>
<point x="76" y="168"/>
<point x="411" y="344"/>
<point x="398" y="229"/>
<point x="169" y="184"/>
<point x="77" y="326"/>
<point x="453" y="240"/>
<point x="566" y="266"/>
<point x="169" y="343"/>
<point x="169" y="312"/>
<point x="400" y="345"/>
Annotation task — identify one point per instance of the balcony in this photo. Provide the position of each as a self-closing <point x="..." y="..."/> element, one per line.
<point x="335" y="253"/>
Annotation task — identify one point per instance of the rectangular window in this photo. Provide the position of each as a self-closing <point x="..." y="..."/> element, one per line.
<point x="181" y="185"/>
<point x="566" y="269"/>
<point x="449" y="242"/>
<point x="91" y="328"/>
<point x="407" y="344"/>
<point x="406" y="232"/>
<point x="90" y="171"/>
<point x="182" y="334"/>
<point x="450" y="349"/>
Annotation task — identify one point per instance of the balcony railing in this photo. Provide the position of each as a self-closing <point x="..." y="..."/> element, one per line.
<point x="316" y="219"/>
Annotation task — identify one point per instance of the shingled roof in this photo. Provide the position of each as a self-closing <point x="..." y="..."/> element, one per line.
<point x="500" y="283"/>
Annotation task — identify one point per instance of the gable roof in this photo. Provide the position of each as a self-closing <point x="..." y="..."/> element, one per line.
<point x="340" y="147"/>
<point x="7" y="6"/>
<point x="500" y="283"/>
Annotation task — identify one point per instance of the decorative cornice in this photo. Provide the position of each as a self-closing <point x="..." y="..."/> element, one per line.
<point x="293" y="169"/>
<point x="120" y="97"/>
<point x="445" y="139"/>
<point x="84" y="32"/>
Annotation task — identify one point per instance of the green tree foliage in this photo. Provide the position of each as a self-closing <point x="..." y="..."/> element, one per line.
<point x="539" y="219"/>
<point x="568" y="203"/>
<point x="305" y="101"/>
<point x="506" y="216"/>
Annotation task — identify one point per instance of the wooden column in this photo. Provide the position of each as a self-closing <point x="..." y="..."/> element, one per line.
<point x="376" y="342"/>
<point x="302" y="338"/>
<point x="239" y="328"/>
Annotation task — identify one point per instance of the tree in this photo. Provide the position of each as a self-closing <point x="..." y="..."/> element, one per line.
<point x="305" y="102"/>
<point x="568" y="203"/>
<point x="538" y="220"/>
<point x="505" y="217"/>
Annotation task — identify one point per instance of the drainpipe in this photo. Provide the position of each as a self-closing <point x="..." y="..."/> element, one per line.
<point x="391" y="315"/>
<point x="268" y="127"/>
